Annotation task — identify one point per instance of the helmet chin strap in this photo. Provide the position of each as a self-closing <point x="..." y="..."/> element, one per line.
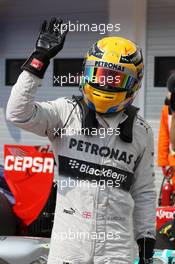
<point x="90" y="121"/>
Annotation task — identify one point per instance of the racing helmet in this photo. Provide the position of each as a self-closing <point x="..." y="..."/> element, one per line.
<point x="112" y="74"/>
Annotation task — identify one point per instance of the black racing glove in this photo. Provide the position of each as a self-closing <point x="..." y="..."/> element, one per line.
<point x="49" y="43"/>
<point x="146" y="250"/>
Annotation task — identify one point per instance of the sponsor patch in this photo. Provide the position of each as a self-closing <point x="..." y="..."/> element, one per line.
<point x="70" y="211"/>
<point x="86" y="214"/>
<point x="88" y="171"/>
<point x="37" y="64"/>
<point x="102" y="151"/>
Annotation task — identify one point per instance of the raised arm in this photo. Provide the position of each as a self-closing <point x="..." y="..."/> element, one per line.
<point x="22" y="110"/>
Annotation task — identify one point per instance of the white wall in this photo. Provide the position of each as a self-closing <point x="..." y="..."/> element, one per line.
<point x="161" y="42"/>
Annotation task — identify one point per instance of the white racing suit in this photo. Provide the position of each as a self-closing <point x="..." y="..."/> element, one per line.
<point x="106" y="194"/>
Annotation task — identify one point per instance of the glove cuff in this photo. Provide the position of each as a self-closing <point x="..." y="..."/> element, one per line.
<point x="146" y="249"/>
<point x="37" y="64"/>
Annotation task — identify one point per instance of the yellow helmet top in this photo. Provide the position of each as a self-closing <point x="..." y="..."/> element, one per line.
<point x="113" y="71"/>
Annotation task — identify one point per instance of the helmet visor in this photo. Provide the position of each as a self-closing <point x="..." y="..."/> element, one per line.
<point x="107" y="79"/>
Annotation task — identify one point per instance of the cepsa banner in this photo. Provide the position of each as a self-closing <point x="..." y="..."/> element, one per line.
<point x="164" y="214"/>
<point x="29" y="172"/>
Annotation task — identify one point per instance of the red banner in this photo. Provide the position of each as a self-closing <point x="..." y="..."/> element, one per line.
<point x="29" y="172"/>
<point x="164" y="214"/>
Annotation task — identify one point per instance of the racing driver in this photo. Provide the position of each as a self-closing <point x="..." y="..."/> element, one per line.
<point x="106" y="195"/>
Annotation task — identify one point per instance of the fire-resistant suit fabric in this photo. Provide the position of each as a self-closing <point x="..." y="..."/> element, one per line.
<point x="106" y="186"/>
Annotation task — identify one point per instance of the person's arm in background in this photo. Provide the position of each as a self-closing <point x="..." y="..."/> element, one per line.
<point x="171" y="89"/>
<point x="22" y="110"/>
<point x="172" y="127"/>
<point x="163" y="139"/>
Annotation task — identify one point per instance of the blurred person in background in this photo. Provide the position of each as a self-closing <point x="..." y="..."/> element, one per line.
<point x="171" y="88"/>
<point x="166" y="138"/>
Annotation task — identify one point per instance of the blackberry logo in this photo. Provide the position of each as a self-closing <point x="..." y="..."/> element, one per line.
<point x="74" y="164"/>
<point x="84" y="171"/>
